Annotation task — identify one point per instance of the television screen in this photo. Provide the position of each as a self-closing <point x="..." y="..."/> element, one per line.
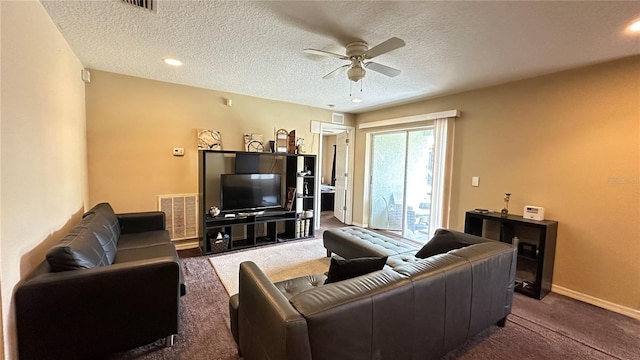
<point x="250" y="191"/>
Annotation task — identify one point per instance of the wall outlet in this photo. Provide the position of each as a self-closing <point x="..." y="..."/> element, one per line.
<point x="178" y="151"/>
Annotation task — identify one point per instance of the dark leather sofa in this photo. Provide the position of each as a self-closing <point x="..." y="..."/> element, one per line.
<point x="111" y="284"/>
<point x="412" y="309"/>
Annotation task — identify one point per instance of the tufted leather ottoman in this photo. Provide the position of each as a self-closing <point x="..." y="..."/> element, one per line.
<point x="354" y="242"/>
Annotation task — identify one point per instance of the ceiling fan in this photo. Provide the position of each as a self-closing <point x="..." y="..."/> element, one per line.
<point x="358" y="53"/>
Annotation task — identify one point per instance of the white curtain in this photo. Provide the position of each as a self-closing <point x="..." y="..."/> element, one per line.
<point x="442" y="163"/>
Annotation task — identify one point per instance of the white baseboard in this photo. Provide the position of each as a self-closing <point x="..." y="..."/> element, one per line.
<point x="627" y="311"/>
<point x="360" y="225"/>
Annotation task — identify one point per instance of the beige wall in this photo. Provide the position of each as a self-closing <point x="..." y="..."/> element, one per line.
<point x="43" y="173"/>
<point x="569" y="142"/>
<point x="327" y="157"/>
<point x="133" y="124"/>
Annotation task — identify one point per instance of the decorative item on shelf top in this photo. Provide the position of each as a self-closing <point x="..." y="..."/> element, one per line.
<point x="253" y="142"/>
<point x="291" y="148"/>
<point x="214" y="211"/>
<point x="281" y="139"/>
<point x="209" y="139"/>
<point x="505" y="209"/>
<point x="299" y="146"/>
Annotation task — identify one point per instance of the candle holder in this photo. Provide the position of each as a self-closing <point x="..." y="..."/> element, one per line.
<point x="505" y="210"/>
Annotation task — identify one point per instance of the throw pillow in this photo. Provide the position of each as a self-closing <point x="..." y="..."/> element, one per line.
<point x="444" y="241"/>
<point x="343" y="269"/>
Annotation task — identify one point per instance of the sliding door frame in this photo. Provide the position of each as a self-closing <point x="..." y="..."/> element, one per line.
<point x="446" y="118"/>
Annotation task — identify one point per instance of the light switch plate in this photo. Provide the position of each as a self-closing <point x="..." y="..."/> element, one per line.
<point x="178" y="151"/>
<point x="475" y="181"/>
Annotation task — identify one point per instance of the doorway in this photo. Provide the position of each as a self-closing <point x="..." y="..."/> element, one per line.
<point x="335" y="169"/>
<point x="401" y="184"/>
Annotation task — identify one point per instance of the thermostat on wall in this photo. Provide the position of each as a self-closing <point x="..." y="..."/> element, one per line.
<point x="533" y="212"/>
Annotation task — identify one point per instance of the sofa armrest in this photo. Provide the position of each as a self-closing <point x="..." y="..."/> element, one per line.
<point x="141" y="221"/>
<point x="88" y="313"/>
<point x="269" y="326"/>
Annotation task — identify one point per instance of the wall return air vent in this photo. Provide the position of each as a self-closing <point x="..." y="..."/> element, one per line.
<point x="150" y="5"/>
<point x="337" y="118"/>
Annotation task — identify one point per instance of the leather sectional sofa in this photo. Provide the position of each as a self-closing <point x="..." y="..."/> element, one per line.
<point x="414" y="308"/>
<point x="112" y="283"/>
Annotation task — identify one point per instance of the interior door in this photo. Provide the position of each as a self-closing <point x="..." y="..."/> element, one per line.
<point x="340" y="200"/>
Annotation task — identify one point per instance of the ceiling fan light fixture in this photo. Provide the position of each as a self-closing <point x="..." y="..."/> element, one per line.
<point x="356" y="100"/>
<point x="356" y="73"/>
<point x="357" y="52"/>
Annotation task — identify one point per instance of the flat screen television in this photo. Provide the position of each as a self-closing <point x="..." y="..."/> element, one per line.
<point x="250" y="191"/>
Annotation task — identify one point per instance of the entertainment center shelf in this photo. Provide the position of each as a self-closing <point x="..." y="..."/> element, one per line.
<point x="243" y="185"/>
<point x="223" y="225"/>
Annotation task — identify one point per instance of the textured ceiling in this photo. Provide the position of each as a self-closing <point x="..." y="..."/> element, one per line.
<point x="255" y="48"/>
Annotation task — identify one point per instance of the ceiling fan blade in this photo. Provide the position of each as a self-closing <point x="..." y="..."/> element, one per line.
<point x="382" y="69"/>
<point x="336" y="72"/>
<point x="384" y="47"/>
<point x="325" y="53"/>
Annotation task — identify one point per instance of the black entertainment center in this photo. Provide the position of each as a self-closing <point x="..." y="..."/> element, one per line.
<point x="263" y="198"/>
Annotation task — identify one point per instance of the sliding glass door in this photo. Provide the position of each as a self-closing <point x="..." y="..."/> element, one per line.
<point x="402" y="181"/>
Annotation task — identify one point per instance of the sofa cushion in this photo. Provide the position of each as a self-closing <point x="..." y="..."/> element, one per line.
<point x="102" y="230"/>
<point x="143" y="239"/>
<point x="79" y="249"/>
<point x="292" y="287"/>
<point x="154" y="252"/>
<point x="446" y="240"/>
<point x="343" y="269"/>
<point x="401" y="259"/>
<point x="106" y="210"/>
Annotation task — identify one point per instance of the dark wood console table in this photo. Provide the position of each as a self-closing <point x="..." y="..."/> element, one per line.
<point x="535" y="240"/>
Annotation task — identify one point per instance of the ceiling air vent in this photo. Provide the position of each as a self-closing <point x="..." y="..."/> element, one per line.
<point x="337" y="118"/>
<point x="150" y="5"/>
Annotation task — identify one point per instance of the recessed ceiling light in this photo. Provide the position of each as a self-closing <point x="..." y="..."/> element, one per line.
<point x="356" y="100"/>
<point x="635" y="26"/>
<point x="172" y="62"/>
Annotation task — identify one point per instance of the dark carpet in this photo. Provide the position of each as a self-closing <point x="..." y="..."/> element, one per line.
<point x="556" y="327"/>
